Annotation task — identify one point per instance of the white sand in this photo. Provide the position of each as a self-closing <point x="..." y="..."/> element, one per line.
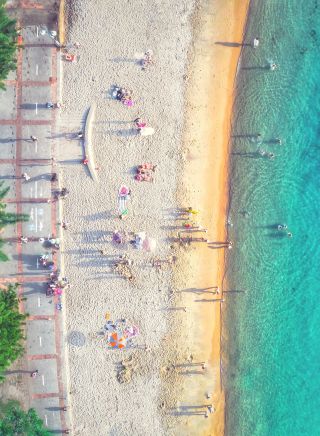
<point x="110" y="33"/>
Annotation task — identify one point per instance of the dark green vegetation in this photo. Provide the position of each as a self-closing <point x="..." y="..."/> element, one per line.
<point x="7" y="218"/>
<point x="14" y="421"/>
<point x="11" y="328"/>
<point x="8" y="44"/>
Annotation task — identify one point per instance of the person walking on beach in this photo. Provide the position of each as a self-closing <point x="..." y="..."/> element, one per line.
<point x="140" y="124"/>
<point x="25" y="176"/>
<point x="256" y="43"/>
<point x="258" y="138"/>
<point x="65" y="225"/>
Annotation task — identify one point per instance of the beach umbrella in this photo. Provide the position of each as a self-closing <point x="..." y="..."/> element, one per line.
<point x="116" y="341"/>
<point x="149" y="244"/>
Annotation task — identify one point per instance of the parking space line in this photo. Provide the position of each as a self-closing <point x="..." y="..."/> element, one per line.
<point x="46" y="420"/>
<point x="39" y="302"/>
<point x="42" y="377"/>
<point x="36" y="220"/>
<point x="37" y="70"/>
<point x="40" y="341"/>
<point x="36" y="108"/>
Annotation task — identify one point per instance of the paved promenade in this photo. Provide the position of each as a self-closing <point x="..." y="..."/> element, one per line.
<point x="23" y="113"/>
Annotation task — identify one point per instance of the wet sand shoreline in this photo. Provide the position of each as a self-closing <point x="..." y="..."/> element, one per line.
<point x="218" y="34"/>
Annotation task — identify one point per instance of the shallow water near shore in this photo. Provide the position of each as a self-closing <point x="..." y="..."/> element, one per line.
<point x="272" y="379"/>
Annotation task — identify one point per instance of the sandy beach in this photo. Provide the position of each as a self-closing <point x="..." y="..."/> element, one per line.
<point x="187" y="98"/>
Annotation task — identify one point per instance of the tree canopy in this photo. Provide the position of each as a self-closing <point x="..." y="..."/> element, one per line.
<point x="11" y="328"/>
<point x="16" y="422"/>
<point x="8" y="44"/>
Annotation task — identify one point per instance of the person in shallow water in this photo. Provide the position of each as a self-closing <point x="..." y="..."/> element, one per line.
<point x="282" y="227"/>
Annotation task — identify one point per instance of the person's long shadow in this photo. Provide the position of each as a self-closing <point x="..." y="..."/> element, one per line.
<point x="265" y="67"/>
<point x="189" y="372"/>
<point x="245" y="136"/>
<point x="57" y="431"/>
<point x="9" y="177"/>
<point x="112" y="122"/>
<point x="268" y="226"/>
<point x="123" y="133"/>
<point x="251" y="155"/>
<point x="53" y="409"/>
<point x="231" y="44"/>
<point x="278" y="235"/>
<point x="119" y="60"/>
<point x="30" y="106"/>
<point x="7" y="140"/>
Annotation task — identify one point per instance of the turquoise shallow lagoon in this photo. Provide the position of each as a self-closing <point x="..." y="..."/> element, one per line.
<point x="273" y="372"/>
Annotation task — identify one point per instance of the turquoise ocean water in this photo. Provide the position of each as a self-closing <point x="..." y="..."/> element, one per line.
<point x="273" y="373"/>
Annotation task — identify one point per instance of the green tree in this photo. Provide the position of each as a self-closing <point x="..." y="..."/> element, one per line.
<point x="16" y="422"/>
<point x="7" y="218"/>
<point x="11" y="328"/>
<point x="8" y="44"/>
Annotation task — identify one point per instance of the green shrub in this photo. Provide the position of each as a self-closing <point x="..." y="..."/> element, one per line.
<point x="16" y="422"/>
<point x="11" y="328"/>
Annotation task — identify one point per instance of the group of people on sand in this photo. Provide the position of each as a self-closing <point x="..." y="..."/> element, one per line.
<point x="56" y="284"/>
<point x="124" y="95"/>
<point x="144" y="172"/>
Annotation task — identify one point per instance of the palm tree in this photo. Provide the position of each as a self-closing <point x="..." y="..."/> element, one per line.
<point x="7" y="218"/>
<point x="8" y="44"/>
